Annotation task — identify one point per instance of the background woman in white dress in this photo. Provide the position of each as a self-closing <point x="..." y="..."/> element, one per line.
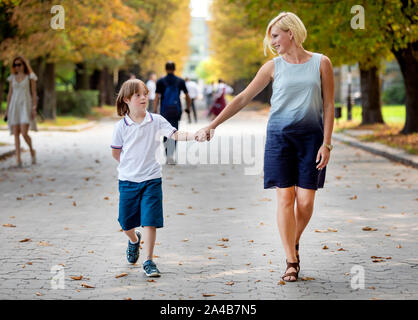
<point x="21" y="105"/>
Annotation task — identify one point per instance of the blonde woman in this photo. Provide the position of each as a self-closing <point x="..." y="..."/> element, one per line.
<point x="299" y="129"/>
<point x="21" y="105"/>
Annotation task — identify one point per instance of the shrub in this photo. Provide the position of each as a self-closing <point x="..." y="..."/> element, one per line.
<point x="394" y="94"/>
<point x="76" y="103"/>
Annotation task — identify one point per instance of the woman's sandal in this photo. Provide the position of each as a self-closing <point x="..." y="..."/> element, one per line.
<point x="294" y="265"/>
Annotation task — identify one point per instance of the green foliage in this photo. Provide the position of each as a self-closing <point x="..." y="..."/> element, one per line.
<point x="77" y="103"/>
<point x="394" y="94"/>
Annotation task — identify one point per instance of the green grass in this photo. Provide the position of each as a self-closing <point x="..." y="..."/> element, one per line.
<point x="390" y="113"/>
<point x="60" y="121"/>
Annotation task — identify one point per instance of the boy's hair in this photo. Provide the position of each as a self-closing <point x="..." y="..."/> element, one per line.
<point x="128" y="89"/>
<point x="170" y="66"/>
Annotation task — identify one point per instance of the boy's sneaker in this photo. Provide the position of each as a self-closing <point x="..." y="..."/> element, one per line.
<point x="132" y="252"/>
<point x="150" y="269"/>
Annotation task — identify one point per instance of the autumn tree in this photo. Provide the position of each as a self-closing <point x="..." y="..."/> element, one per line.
<point x="92" y="30"/>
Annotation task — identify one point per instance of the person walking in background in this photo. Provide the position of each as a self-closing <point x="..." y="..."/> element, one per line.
<point x="219" y="101"/>
<point x="299" y="129"/>
<point x="193" y="90"/>
<point x="168" y="90"/>
<point x="151" y="85"/>
<point x="208" y="92"/>
<point x="21" y="105"/>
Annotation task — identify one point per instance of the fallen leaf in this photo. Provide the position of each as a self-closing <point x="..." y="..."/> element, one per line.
<point x="77" y="277"/>
<point x="180" y="263"/>
<point x="85" y="285"/>
<point x="230" y="208"/>
<point x="181" y="214"/>
<point x="224" y="239"/>
<point x="123" y="274"/>
<point x="216" y="209"/>
<point x="378" y="260"/>
<point x="74" y="204"/>
<point x="332" y="230"/>
<point x="25" y="240"/>
<point x="338" y="177"/>
<point x="209" y="247"/>
<point x="377" y="186"/>
<point x="151" y="280"/>
<point x="189" y="207"/>
<point x="208" y="295"/>
<point x="44" y="244"/>
<point x="155" y="256"/>
<point x="185" y="240"/>
<point x="210" y="258"/>
<point x="281" y="282"/>
<point x="398" y="246"/>
<point x="252" y="241"/>
<point x="265" y="199"/>
<point x="106" y="198"/>
<point x="9" y="225"/>
<point x="29" y="263"/>
<point x="387" y="234"/>
<point x="353" y="197"/>
<point x="127" y="298"/>
<point x="38" y="294"/>
<point x="307" y="278"/>
<point x="230" y="283"/>
<point x="373" y="288"/>
<point x="368" y="229"/>
<point x="325" y="247"/>
<point x="341" y="249"/>
<point x="18" y="198"/>
<point x="257" y="281"/>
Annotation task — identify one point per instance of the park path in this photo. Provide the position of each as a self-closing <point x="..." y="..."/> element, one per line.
<point x="220" y="239"/>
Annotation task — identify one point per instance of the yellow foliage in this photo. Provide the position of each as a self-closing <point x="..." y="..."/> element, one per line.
<point x="237" y="49"/>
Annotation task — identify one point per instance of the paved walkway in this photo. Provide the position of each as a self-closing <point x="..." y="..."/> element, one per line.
<point x="220" y="239"/>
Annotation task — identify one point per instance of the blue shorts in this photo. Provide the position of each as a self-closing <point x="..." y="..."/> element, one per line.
<point x="140" y="204"/>
<point x="290" y="159"/>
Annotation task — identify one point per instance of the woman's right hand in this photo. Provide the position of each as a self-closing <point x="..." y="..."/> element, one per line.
<point x="204" y="134"/>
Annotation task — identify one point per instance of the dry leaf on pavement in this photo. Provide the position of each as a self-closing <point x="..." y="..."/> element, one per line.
<point x="123" y="274"/>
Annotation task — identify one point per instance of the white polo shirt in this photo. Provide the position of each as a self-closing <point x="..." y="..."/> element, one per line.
<point x="139" y="144"/>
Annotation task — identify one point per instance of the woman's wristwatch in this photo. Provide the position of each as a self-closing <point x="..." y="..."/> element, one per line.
<point x="329" y="146"/>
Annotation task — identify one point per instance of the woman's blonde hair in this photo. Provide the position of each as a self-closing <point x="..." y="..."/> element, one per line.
<point x="285" y="21"/>
<point x="128" y="89"/>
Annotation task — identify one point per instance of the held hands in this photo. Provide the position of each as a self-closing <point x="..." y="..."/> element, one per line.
<point x="204" y="134"/>
<point x="322" y="157"/>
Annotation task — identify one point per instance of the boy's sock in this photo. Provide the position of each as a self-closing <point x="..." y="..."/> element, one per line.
<point x="133" y="242"/>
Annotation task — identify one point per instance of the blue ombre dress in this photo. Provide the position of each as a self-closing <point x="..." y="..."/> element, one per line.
<point x="295" y="127"/>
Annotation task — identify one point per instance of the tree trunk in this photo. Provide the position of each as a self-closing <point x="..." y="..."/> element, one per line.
<point x="370" y="95"/>
<point x="38" y="66"/>
<point x="50" y="99"/>
<point x="408" y="63"/>
<point x="81" y="77"/>
<point x="2" y="83"/>
<point x="109" y="87"/>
